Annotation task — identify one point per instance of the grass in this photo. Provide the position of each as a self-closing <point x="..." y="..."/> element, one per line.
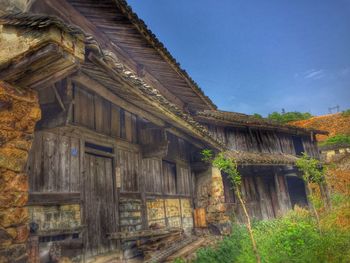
<point x="335" y="140"/>
<point x="292" y="238"/>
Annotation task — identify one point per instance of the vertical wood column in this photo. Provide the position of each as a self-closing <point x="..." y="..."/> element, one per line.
<point x="282" y="192"/>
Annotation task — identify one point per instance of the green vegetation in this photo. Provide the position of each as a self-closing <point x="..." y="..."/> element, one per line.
<point x="300" y="236"/>
<point x="313" y="172"/>
<point x="294" y="238"/>
<point x="289" y="116"/>
<point x="335" y="140"/>
<point x="257" y="115"/>
<point x="229" y="167"/>
<point x="346" y="113"/>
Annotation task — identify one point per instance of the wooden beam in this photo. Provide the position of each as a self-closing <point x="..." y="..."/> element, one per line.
<point x="144" y="233"/>
<point x="36" y="198"/>
<point x="58" y="97"/>
<point x="42" y="67"/>
<point x="155" y="150"/>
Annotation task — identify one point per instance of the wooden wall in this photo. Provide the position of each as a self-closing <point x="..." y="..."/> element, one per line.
<point x="92" y="133"/>
<point x="129" y="162"/>
<point x="54" y="163"/>
<point x="265" y="191"/>
<point x="94" y="112"/>
<point x="151" y="169"/>
<point x="266" y="141"/>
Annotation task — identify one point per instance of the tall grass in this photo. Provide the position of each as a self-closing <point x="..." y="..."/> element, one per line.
<point x="293" y="238"/>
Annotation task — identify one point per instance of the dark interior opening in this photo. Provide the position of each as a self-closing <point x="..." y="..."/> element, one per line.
<point x="298" y="145"/>
<point x="297" y="193"/>
<point x="98" y="147"/>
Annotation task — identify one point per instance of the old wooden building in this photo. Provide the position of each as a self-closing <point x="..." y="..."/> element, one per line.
<point x="114" y="158"/>
<point x="266" y="153"/>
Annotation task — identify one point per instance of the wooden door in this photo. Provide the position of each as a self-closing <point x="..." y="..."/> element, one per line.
<point x="99" y="206"/>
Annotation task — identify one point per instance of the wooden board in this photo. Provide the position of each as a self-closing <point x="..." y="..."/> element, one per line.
<point x="98" y="114"/>
<point x="54" y="164"/>
<point x="169" y="177"/>
<point x="99" y="209"/>
<point x="152" y="174"/>
<point x="129" y="163"/>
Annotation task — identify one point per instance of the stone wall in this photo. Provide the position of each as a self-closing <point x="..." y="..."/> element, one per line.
<point x="210" y="195"/>
<point x="171" y="212"/>
<point x="19" y="112"/>
<point x="130" y="214"/>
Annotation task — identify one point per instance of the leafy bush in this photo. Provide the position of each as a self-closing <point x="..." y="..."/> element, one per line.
<point x="337" y="139"/>
<point x="228" y="249"/>
<point x="293" y="238"/>
<point x="257" y="115"/>
<point x="289" y="116"/>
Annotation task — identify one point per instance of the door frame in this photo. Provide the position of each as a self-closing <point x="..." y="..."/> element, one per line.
<point x="87" y="150"/>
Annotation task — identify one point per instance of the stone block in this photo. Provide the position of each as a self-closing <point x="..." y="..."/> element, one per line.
<point x="12" y="181"/>
<point x="155" y="210"/>
<point x="22" y="234"/>
<point x="55" y="217"/>
<point x="10" y="198"/>
<point x="5" y="239"/>
<point x="172" y="207"/>
<point x="14" y="253"/>
<point x="13" y="159"/>
<point x="14" y="216"/>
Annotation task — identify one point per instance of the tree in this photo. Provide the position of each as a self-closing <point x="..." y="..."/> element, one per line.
<point x="288" y="116"/>
<point x="257" y="116"/>
<point x="229" y="167"/>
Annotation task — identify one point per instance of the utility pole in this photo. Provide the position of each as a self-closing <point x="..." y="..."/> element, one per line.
<point x="330" y="109"/>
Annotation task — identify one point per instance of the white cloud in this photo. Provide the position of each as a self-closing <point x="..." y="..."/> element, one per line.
<point x="314" y="74"/>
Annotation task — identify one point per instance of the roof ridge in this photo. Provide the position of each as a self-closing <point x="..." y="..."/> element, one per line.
<point x="160" y="47"/>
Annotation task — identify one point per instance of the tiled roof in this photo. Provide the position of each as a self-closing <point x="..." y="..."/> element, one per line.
<point x="240" y="119"/>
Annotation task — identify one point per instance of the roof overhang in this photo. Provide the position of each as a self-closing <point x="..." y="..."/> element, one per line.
<point x="118" y="28"/>
<point x="34" y="55"/>
<point x="38" y="50"/>
<point x="239" y="120"/>
<point x="111" y="73"/>
<point x="270" y="159"/>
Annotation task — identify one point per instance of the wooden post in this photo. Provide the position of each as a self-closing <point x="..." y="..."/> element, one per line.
<point x="142" y="188"/>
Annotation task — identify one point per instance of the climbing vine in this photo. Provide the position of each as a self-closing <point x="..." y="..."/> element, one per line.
<point x="313" y="172"/>
<point x="229" y="167"/>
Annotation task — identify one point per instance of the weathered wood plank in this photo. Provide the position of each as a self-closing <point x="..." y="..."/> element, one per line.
<point x="36" y="198"/>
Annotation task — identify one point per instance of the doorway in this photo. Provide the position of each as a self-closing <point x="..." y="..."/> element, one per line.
<point x="99" y="206"/>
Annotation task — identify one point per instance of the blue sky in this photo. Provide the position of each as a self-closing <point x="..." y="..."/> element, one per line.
<point x="259" y="56"/>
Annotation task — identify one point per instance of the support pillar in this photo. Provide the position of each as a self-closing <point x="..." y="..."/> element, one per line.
<point x="19" y="112"/>
<point x="210" y="195"/>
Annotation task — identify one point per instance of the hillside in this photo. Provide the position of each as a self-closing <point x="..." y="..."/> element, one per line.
<point x="335" y="124"/>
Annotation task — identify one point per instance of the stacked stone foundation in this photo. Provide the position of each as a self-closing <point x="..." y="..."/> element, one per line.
<point x="210" y="195"/>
